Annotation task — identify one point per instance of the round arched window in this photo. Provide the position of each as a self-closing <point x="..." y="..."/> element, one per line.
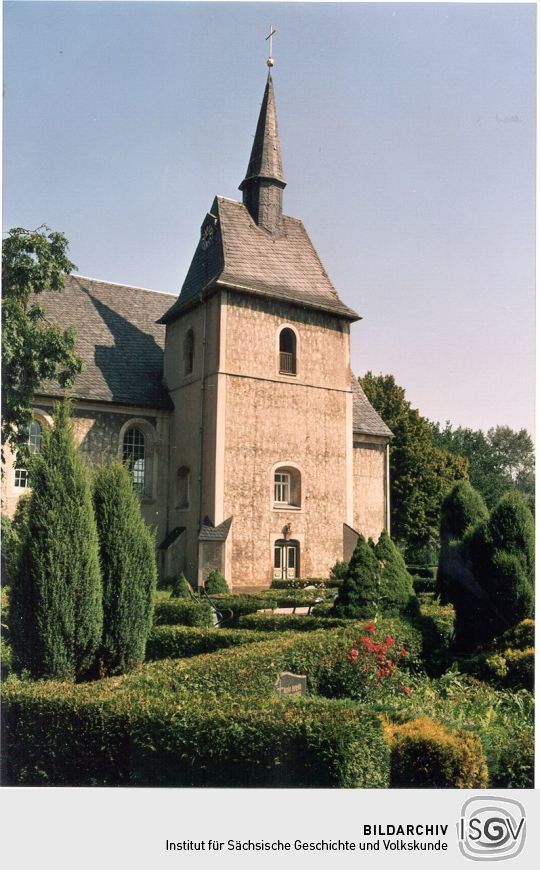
<point x="133" y="455"/>
<point x="287" y="352"/>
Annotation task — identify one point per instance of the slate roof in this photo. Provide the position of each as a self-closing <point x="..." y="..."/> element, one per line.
<point x="118" y="339"/>
<point x="265" y="160"/>
<point x="215" y="533"/>
<point x="121" y="346"/>
<point x="366" y="421"/>
<point x="247" y="258"/>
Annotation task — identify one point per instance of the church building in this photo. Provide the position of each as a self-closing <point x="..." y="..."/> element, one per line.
<point x="251" y="444"/>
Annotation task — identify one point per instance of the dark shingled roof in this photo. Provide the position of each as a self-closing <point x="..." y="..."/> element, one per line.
<point x="247" y="258"/>
<point x="366" y="421"/>
<point x="118" y="339"/>
<point x="265" y="160"/>
<point x="215" y="533"/>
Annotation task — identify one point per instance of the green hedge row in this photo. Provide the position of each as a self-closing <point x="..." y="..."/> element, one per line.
<point x="183" y="611"/>
<point x="235" y="606"/>
<point x="285" y="622"/>
<point x="56" y="736"/>
<point x="297" y="597"/>
<point x="327" y="583"/>
<point x="426" y="571"/>
<point x="424" y="584"/>
<point x="251" y="670"/>
<point x="179" y="641"/>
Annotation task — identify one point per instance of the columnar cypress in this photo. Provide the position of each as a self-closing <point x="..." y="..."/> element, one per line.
<point x="129" y="570"/>
<point x="396" y="591"/>
<point x="358" y="596"/>
<point x="57" y="611"/>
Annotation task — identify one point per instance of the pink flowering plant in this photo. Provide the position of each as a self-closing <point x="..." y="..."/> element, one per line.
<point x="378" y="660"/>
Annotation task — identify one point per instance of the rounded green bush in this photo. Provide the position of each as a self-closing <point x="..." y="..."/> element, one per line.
<point x="216" y="584"/>
<point x="426" y="754"/>
<point x="180" y="588"/>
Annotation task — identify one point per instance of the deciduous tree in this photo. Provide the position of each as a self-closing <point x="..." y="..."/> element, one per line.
<point x="33" y="349"/>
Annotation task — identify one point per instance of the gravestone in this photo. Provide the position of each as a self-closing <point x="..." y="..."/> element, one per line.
<point x="291" y="684"/>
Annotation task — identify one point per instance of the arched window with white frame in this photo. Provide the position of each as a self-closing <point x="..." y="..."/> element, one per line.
<point x="287" y="485"/>
<point x="134" y="456"/>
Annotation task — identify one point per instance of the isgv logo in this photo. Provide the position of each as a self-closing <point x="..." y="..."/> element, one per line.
<point x="491" y="828"/>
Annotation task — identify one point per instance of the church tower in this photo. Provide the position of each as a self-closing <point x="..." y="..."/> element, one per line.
<point x="271" y="474"/>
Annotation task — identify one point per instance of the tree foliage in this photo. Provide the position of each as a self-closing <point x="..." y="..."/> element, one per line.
<point x="358" y="596"/>
<point x="499" y="460"/>
<point x="33" y="349"/>
<point x="420" y="472"/>
<point x="129" y="570"/>
<point x="57" y="615"/>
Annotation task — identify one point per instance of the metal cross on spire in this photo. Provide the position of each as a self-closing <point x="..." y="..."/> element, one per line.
<point x="270" y="61"/>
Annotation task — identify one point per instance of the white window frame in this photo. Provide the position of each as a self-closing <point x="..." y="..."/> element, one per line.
<point x="282" y="487"/>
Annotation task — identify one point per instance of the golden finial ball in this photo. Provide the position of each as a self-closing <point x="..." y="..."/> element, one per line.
<point x="270" y="61"/>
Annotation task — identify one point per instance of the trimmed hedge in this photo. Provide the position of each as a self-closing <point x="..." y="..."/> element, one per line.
<point x="426" y="754"/>
<point x="297" y="597"/>
<point x="180" y="641"/>
<point x="521" y="636"/>
<point x="183" y="611"/>
<point x="240" y="605"/>
<point x="514" y="764"/>
<point x="512" y="668"/>
<point x="326" y="583"/>
<point x="286" y="622"/>
<point x="427" y="572"/>
<point x="424" y="584"/>
<point x="437" y="626"/>
<point x="56" y="736"/>
<point x="508" y="661"/>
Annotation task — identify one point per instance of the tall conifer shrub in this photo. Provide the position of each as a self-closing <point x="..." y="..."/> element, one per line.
<point x="461" y="510"/>
<point x="129" y="570"/>
<point x="497" y="573"/>
<point x="358" y="596"/>
<point x="396" y="590"/>
<point x="57" y="613"/>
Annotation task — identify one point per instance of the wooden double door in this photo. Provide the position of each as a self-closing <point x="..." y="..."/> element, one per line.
<point x="286" y="560"/>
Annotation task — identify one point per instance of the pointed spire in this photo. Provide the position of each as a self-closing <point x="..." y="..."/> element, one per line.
<point x="263" y="185"/>
<point x="265" y="160"/>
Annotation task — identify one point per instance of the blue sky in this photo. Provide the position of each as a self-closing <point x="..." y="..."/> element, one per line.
<point x="408" y="139"/>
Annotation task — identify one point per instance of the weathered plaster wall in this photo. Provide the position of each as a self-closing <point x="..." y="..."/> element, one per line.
<point x="369" y="487"/>
<point x="271" y="420"/>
